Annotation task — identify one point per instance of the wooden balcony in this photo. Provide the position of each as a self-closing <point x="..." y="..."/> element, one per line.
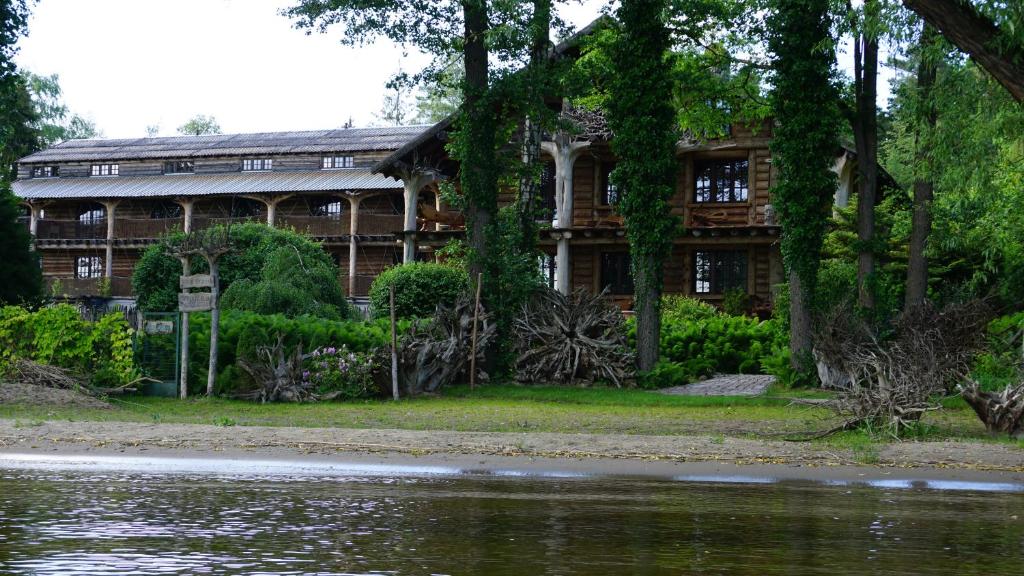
<point x="362" y="288"/>
<point x="317" y="226"/>
<point x="48" y="229"/>
<point x="85" y="287"/>
<point x="204" y="222"/>
<point x="145" y="228"/>
<point x="371" y="224"/>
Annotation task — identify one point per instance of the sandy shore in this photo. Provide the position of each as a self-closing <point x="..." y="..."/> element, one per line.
<point x="214" y="448"/>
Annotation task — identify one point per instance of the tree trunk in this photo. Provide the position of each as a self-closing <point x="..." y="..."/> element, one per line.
<point x="647" y="282"/>
<point x="479" y="127"/>
<point x="917" y="269"/>
<point x="800" y="328"/>
<point x="960" y="23"/>
<point x="866" y="138"/>
<point x="211" y="375"/>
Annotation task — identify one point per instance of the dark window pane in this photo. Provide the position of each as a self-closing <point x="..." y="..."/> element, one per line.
<point x="718" y="271"/>
<point x="546" y="202"/>
<point x="721" y="180"/>
<point x="615" y="274"/>
<point x="609" y="191"/>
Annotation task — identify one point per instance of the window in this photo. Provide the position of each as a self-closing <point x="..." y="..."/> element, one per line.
<point x="546" y="262"/>
<point x="44" y="171"/>
<point x="333" y="162"/>
<point x="179" y="167"/>
<point x="328" y="208"/>
<point x="615" y="275"/>
<point x="91" y="216"/>
<point x="88" y="267"/>
<point x="609" y="191"/>
<point x="715" y="272"/>
<point x="105" y="169"/>
<point x="257" y="164"/>
<point x="721" y="180"/>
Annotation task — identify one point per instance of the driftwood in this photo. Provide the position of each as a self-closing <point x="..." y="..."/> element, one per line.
<point x="430" y="215"/>
<point x="29" y="372"/>
<point x="436" y="353"/>
<point x="1001" y="412"/>
<point x="890" y="383"/>
<point x="277" y="374"/>
<point x="576" y="339"/>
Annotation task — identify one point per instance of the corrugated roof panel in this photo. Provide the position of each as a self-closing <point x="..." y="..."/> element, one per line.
<point x="345" y="140"/>
<point x="202" y="184"/>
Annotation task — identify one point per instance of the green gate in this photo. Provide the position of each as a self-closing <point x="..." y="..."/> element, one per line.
<point x="159" y="353"/>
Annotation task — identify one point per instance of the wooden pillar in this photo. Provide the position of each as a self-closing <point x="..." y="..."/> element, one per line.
<point x="353" y="247"/>
<point x="33" y="221"/>
<point x="110" y="207"/>
<point x="412" y="181"/>
<point x="565" y="152"/>
<point x="186" y="213"/>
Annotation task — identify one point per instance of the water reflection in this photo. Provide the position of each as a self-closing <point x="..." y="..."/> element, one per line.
<point x="62" y="522"/>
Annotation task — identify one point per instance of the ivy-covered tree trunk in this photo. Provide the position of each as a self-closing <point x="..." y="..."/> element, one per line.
<point x="865" y="135"/>
<point x="643" y="123"/>
<point x="921" y="224"/>
<point x="804" y="145"/>
<point x="478" y="127"/>
<point x="540" y="42"/>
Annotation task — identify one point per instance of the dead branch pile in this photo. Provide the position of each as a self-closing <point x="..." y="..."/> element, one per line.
<point x="587" y="124"/>
<point x="277" y="374"/>
<point x="891" y="382"/>
<point x="575" y="339"/>
<point x="1002" y="412"/>
<point x="29" y="372"/>
<point x="436" y="353"/>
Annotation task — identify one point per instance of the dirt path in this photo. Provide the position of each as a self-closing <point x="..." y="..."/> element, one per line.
<point x="190" y="440"/>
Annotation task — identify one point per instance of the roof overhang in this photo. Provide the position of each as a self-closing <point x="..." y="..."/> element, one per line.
<point x="177" y="185"/>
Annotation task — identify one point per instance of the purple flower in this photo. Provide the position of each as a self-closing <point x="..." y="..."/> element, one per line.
<point x="331" y="350"/>
<point x="305" y="375"/>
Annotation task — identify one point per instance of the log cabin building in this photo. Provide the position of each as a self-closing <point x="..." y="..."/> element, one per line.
<point x="370" y="197"/>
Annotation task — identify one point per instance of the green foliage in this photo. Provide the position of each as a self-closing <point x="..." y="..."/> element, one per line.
<point x="735" y="302"/>
<point x="292" y="286"/>
<point x="58" y="336"/>
<point x="338" y="373"/>
<point x="663" y="375"/>
<point x="242" y="332"/>
<point x="419" y="288"/>
<point x="723" y="344"/>
<point x="806" y="133"/>
<point x="54" y="121"/>
<point x="22" y="279"/>
<point x="1003" y="362"/>
<point x="199" y="125"/>
<point x="453" y="254"/>
<point x="259" y="257"/>
<point x="679" y="308"/>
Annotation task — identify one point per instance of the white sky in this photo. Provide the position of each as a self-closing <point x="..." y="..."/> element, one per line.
<point x="128" y="64"/>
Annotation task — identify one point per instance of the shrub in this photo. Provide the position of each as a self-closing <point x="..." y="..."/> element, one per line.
<point x="58" y="336"/>
<point x="678" y="308"/>
<point x="1003" y="360"/>
<point x="419" y="288"/>
<point x="721" y="344"/>
<point x="241" y="333"/>
<point x="257" y="255"/>
<point x="735" y="302"/>
<point x="338" y="373"/>
<point x="664" y="375"/>
<point x="293" y="286"/>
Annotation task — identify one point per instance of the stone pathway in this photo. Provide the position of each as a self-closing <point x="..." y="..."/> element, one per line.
<point x="725" y="385"/>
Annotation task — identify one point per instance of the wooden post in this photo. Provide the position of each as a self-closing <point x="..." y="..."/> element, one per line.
<point x="214" y="326"/>
<point x="472" y="349"/>
<point x="186" y="269"/>
<point x="394" y="348"/>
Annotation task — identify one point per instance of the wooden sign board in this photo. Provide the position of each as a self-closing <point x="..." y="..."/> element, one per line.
<point x="195" y="302"/>
<point x="196" y="281"/>
<point x="159" y="327"/>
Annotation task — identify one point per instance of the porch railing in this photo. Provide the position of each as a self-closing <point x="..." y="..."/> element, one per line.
<point x="319" y="226"/>
<point x="370" y="223"/>
<point x="48" y="229"/>
<point x="145" y="228"/>
<point x="79" y="287"/>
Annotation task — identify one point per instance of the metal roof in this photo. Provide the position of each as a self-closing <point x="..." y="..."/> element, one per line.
<point x="202" y="184"/>
<point x="316" y="141"/>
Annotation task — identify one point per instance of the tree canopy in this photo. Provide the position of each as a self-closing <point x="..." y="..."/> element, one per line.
<point x="199" y="125"/>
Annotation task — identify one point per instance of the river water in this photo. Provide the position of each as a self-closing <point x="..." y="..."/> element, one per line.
<point x="110" y="522"/>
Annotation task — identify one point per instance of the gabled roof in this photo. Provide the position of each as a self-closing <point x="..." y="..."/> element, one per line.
<point x="202" y="184"/>
<point x="313" y="141"/>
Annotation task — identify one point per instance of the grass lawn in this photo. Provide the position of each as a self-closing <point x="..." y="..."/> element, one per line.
<point x="510" y="408"/>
